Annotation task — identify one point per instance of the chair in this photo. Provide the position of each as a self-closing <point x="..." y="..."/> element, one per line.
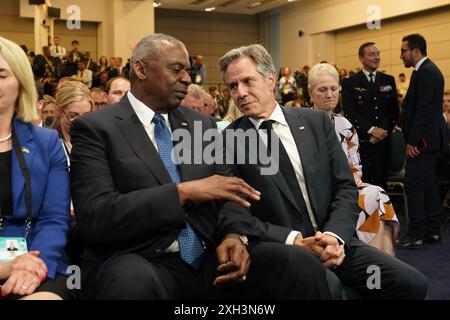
<point x="396" y="169"/>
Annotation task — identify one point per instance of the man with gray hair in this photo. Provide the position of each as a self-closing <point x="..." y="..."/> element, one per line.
<point x="311" y="201"/>
<point x="198" y="99"/>
<point x="155" y="228"/>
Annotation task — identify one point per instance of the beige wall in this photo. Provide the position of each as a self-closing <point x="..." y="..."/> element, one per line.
<point x="434" y="25"/>
<point x="108" y="27"/>
<point x="211" y="34"/>
<point x="320" y="19"/>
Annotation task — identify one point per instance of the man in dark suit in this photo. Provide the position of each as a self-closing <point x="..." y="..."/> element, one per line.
<point x="309" y="199"/>
<point x="155" y="228"/>
<point x="369" y="100"/>
<point x="424" y="130"/>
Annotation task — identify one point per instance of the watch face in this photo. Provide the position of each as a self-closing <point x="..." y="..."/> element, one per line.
<point x="244" y="240"/>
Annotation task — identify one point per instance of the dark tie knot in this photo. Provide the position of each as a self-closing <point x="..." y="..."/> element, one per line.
<point x="267" y="124"/>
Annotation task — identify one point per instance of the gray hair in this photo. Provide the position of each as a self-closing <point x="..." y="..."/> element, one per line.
<point x="149" y="46"/>
<point x="256" y="52"/>
<point x="197" y="92"/>
<point x="321" y="68"/>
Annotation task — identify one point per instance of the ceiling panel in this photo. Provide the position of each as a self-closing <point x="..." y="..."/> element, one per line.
<point x="227" y="6"/>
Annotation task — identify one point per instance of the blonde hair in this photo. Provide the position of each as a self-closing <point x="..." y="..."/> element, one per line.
<point x="233" y="112"/>
<point x="47" y="100"/>
<point x="73" y="91"/>
<point x="20" y="66"/>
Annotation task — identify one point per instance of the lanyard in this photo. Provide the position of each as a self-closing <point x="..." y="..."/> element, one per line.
<point x="26" y="174"/>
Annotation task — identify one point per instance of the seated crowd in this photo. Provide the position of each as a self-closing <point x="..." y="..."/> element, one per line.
<point x="92" y="174"/>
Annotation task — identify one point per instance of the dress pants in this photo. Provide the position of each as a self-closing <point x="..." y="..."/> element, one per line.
<point x="397" y="280"/>
<point x="277" y="271"/>
<point x="422" y="195"/>
<point x="374" y="160"/>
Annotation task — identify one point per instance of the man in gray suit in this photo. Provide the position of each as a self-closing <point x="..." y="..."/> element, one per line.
<point x="311" y="201"/>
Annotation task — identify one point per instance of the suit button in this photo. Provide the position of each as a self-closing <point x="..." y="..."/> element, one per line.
<point x="374" y="98"/>
<point x="376" y="118"/>
<point x="376" y="108"/>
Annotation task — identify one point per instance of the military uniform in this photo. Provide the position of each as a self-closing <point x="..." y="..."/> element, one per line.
<point x="368" y="105"/>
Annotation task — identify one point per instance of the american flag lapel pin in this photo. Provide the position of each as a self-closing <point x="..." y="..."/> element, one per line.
<point x="184" y="124"/>
<point x="301" y="128"/>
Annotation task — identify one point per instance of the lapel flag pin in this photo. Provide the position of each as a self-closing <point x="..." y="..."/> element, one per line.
<point x="184" y="124"/>
<point x="25" y="150"/>
<point x="301" y="128"/>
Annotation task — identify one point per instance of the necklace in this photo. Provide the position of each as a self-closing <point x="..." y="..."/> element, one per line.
<point x="6" y="138"/>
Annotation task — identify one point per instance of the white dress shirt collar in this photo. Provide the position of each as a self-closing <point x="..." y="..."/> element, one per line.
<point x="419" y="63"/>
<point x="367" y="74"/>
<point x="277" y="116"/>
<point x="144" y="113"/>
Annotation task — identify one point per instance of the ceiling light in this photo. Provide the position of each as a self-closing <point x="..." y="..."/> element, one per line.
<point x="156" y="4"/>
<point x="210" y="9"/>
<point x="255" y="4"/>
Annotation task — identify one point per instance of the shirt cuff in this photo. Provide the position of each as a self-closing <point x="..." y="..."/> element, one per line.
<point x="291" y="237"/>
<point x="370" y="130"/>
<point x="336" y="236"/>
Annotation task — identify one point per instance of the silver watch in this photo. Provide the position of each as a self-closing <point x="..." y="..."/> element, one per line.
<point x="243" y="239"/>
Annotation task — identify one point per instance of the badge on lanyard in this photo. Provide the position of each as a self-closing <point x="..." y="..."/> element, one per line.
<point x="11" y="248"/>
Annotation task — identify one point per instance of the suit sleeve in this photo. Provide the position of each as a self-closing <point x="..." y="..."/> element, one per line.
<point x="425" y="84"/>
<point x="351" y="109"/>
<point x="105" y="216"/>
<point x="343" y="210"/>
<point x="52" y="224"/>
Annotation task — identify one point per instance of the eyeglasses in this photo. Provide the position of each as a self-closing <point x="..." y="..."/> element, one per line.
<point x="71" y="116"/>
<point x="100" y="105"/>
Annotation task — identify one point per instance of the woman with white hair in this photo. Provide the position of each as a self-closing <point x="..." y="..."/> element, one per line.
<point x="377" y="223"/>
<point x="34" y="189"/>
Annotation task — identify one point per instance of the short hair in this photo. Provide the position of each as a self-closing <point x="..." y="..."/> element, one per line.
<point x="401" y="74"/>
<point x="97" y="89"/>
<point x="212" y="88"/>
<point x="73" y="91"/>
<point x="446" y="92"/>
<point x="256" y="52"/>
<point x="363" y="47"/>
<point x="195" y="91"/>
<point x="47" y="99"/>
<point x="75" y="42"/>
<point x="416" y="41"/>
<point x="149" y="46"/>
<point x="110" y="81"/>
<point x="321" y="68"/>
<point x="21" y="67"/>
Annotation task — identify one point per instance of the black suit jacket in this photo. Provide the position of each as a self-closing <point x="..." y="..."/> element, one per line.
<point x="331" y="188"/>
<point x="366" y="107"/>
<point x="124" y="198"/>
<point x="423" y="123"/>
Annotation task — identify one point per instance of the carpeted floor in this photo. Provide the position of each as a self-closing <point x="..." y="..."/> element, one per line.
<point x="433" y="260"/>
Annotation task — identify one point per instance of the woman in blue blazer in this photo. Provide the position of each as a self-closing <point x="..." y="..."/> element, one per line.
<point x="34" y="188"/>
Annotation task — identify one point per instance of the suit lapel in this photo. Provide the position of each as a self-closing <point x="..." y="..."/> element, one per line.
<point x="277" y="178"/>
<point x="304" y="142"/>
<point x="28" y="149"/>
<point x="178" y="120"/>
<point x="134" y="133"/>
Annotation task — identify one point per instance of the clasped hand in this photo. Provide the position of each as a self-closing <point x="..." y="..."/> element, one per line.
<point x="324" y="246"/>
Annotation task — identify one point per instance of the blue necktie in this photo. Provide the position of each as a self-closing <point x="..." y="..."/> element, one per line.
<point x="191" y="249"/>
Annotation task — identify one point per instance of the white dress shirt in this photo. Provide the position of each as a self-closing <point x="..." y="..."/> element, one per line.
<point x="84" y="76"/>
<point x="58" y="51"/>
<point x="283" y="131"/>
<point x="419" y="63"/>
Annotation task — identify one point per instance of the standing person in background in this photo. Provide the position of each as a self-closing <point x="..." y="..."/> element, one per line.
<point x="286" y="85"/>
<point x="425" y="135"/>
<point x="198" y="71"/>
<point x="57" y="50"/>
<point x="369" y="100"/>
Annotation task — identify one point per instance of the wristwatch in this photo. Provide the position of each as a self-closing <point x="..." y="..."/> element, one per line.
<point x="243" y="239"/>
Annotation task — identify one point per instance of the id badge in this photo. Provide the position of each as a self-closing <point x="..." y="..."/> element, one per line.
<point x="286" y="91"/>
<point x="198" y="78"/>
<point x="11" y="248"/>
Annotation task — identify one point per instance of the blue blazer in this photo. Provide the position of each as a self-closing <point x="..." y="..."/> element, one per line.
<point x="49" y="175"/>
